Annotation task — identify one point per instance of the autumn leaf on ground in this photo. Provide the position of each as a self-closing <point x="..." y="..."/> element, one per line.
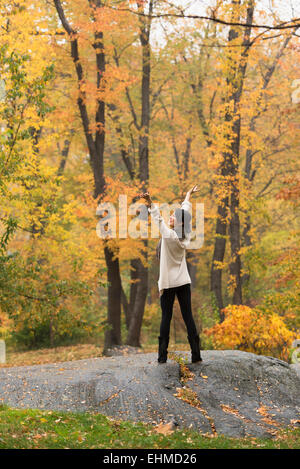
<point x="295" y="422"/>
<point x="263" y="411"/>
<point x="165" y="428"/>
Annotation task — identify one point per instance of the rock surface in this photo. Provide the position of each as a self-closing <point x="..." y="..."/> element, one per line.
<point x="235" y="393"/>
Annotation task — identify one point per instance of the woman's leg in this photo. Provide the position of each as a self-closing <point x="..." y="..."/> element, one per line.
<point x="166" y="302"/>
<point x="184" y="298"/>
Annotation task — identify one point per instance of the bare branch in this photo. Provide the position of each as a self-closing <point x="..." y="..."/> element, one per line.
<point x="281" y="26"/>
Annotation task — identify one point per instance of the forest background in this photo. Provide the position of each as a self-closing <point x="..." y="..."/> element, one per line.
<point x="102" y="98"/>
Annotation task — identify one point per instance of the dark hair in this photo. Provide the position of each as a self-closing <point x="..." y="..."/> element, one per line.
<point x="183" y="217"/>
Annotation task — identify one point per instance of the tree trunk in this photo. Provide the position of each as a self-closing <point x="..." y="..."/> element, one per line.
<point x="235" y="244"/>
<point x="139" y="291"/>
<point x="230" y="167"/>
<point x="235" y="266"/>
<point x="192" y="261"/>
<point x="134" y="275"/>
<point x="125" y="306"/>
<point x="137" y="313"/>
<point x="95" y="146"/>
<point x="113" y="332"/>
<point x="218" y="256"/>
<point x="64" y="153"/>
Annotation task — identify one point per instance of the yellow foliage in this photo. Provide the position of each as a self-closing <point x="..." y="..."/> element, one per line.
<point x="247" y="329"/>
<point x="5" y="324"/>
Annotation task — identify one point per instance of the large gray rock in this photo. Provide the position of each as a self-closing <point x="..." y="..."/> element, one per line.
<point x="235" y="393"/>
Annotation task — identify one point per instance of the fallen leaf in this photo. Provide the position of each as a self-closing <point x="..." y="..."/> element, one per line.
<point x="164" y="428"/>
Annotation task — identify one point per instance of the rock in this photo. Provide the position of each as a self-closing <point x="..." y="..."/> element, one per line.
<point x="121" y="350"/>
<point x="233" y="393"/>
<point x="296" y="368"/>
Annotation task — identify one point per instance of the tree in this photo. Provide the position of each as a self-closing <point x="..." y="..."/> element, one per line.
<point x="139" y="294"/>
<point x="235" y="69"/>
<point x="96" y="151"/>
<point x="32" y="290"/>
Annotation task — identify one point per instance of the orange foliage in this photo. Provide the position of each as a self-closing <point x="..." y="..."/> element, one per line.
<point x="291" y="190"/>
<point x="250" y="330"/>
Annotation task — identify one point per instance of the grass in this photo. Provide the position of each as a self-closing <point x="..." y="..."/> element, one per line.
<point x="67" y="353"/>
<point x="52" y="355"/>
<point x="37" y="429"/>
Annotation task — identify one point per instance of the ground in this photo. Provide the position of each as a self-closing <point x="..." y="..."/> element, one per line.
<point x="230" y="393"/>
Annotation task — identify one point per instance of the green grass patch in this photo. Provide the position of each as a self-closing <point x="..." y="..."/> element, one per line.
<point x="42" y="429"/>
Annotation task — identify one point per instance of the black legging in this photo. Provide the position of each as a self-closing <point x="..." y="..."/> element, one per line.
<point x="183" y="294"/>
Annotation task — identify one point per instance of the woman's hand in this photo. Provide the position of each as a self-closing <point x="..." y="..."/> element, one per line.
<point x="194" y="189"/>
<point x="147" y="197"/>
<point x="190" y="192"/>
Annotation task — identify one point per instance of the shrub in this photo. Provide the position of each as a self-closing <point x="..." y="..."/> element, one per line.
<point x="251" y="330"/>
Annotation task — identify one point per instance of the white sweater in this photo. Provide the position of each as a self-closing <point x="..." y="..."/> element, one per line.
<point x="173" y="270"/>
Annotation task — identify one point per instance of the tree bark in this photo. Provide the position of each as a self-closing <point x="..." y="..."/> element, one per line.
<point x="125" y="306"/>
<point x="113" y="332"/>
<point x="218" y="255"/>
<point x="141" y="290"/>
<point x="64" y="153"/>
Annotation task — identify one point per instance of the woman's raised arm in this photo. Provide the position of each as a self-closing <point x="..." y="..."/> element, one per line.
<point x="165" y="231"/>
<point x="186" y="204"/>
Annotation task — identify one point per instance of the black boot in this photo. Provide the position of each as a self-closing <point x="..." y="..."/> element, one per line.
<point x="163" y="349"/>
<point x="195" y="348"/>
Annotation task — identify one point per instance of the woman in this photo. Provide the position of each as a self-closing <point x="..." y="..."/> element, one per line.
<point x="174" y="278"/>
